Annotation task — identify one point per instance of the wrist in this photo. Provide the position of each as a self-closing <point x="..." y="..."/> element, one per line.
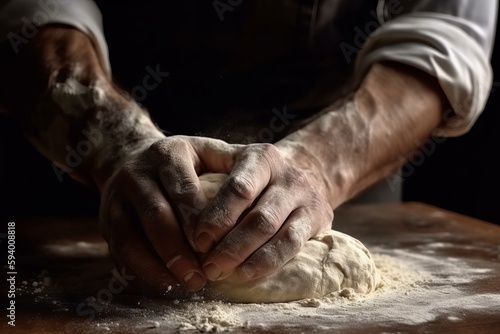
<point x="56" y="53"/>
<point x="332" y="182"/>
<point x="90" y="130"/>
<point x="125" y="133"/>
<point x="111" y="159"/>
<point x="69" y="108"/>
<point x="336" y="144"/>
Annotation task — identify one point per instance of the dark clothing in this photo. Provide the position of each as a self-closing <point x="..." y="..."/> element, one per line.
<point x="228" y="68"/>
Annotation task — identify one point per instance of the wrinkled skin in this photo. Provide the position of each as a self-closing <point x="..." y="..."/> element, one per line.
<point x="151" y="212"/>
<point x="152" y="205"/>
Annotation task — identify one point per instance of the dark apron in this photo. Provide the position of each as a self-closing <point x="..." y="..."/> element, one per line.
<point x="233" y="63"/>
<point x="228" y="78"/>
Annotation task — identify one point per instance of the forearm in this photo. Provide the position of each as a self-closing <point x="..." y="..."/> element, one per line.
<point x="68" y="107"/>
<point x="354" y="146"/>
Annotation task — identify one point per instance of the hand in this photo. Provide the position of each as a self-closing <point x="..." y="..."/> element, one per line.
<point x="151" y="211"/>
<point x="49" y="58"/>
<point x="273" y="202"/>
<point x="143" y="201"/>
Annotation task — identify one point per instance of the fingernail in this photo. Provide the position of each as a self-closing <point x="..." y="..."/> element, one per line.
<point x="213" y="271"/>
<point x="205" y="242"/>
<point x="170" y="263"/>
<point x="194" y="281"/>
<point x="248" y="270"/>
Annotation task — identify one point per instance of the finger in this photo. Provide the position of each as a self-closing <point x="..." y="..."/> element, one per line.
<point x="259" y="226"/>
<point x="289" y="240"/>
<point x="134" y="282"/>
<point x="249" y="177"/>
<point x="129" y="247"/>
<point x="302" y="224"/>
<point x="182" y="186"/>
<point x="183" y="159"/>
<point x="216" y="155"/>
<point x="178" y="168"/>
<point x="165" y="234"/>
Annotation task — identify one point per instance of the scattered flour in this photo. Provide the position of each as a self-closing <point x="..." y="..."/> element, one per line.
<point x="213" y="317"/>
<point x="35" y="285"/>
<point x="413" y="292"/>
<point x="417" y="287"/>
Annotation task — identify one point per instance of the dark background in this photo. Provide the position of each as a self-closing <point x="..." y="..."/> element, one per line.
<point x="461" y="175"/>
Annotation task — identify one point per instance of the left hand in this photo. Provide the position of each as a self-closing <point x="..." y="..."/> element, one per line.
<point x="273" y="201"/>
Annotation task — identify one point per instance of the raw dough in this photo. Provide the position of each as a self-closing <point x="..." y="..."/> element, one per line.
<point x="328" y="263"/>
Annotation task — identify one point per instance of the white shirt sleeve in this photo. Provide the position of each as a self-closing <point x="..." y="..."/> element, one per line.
<point x="20" y="19"/>
<point x="451" y="40"/>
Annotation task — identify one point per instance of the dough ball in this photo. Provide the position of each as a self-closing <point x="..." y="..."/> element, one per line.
<point x="211" y="183"/>
<point x="328" y="263"/>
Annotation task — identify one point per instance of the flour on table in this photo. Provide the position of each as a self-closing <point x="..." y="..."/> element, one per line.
<point x="328" y="263"/>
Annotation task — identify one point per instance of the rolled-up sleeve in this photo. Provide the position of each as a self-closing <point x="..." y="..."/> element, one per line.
<point x="451" y="40"/>
<point x="20" y="20"/>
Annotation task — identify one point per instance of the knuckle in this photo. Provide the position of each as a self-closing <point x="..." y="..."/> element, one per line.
<point x="320" y="211"/>
<point x="267" y="223"/>
<point x="167" y="156"/>
<point x="267" y="259"/>
<point x="296" y="236"/>
<point x="179" y="144"/>
<point x="229" y="252"/>
<point x="269" y="149"/>
<point x="185" y="187"/>
<point x="317" y="203"/>
<point x="321" y="207"/>
<point x="152" y="212"/>
<point x="270" y="153"/>
<point x="158" y="147"/>
<point x="234" y="256"/>
<point x="242" y="187"/>
<point x="222" y="222"/>
<point x="128" y="172"/>
<point x="168" y="149"/>
<point x="298" y="178"/>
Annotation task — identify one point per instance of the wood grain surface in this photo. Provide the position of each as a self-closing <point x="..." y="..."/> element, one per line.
<point x="75" y="277"/>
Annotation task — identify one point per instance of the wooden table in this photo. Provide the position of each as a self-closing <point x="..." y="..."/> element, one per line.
<point x="418" y="231"/>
